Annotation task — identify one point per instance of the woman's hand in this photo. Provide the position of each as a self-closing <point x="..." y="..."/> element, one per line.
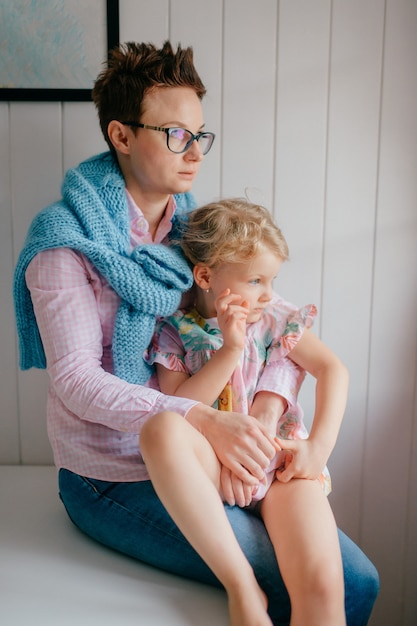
<point x="234" y="490"/>
<point x="241" y="443"/>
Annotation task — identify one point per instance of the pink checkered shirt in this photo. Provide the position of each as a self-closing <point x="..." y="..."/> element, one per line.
<point x="93" y="417"/>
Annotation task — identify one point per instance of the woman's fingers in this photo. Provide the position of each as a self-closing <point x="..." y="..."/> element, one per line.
<point x="234" y="490"/>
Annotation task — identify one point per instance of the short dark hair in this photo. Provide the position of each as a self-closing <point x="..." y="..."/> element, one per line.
<point x="132" y="70"/>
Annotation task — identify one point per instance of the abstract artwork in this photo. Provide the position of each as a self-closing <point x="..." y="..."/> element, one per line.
<point x="54" y="49"/>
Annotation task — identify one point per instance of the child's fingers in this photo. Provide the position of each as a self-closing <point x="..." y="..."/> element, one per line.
<point x="277" y="443"/>
<point x="284" y="471"/>
<point x="226" y="298"/>
<point x="238" y="313"/>
<point x="284" y="444"/>
<point x="232" y="313"/>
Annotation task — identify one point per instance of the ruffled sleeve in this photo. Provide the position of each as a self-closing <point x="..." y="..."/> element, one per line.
<point x="297" y="321"/>
<point x="166" y="348"/>
<point x="286" y="324"/>
<point x="184" y="342"/>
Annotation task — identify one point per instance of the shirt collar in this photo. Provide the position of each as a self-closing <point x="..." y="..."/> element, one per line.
<point x="139" y="226"/>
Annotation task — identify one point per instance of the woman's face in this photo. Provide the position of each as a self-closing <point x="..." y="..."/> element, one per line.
<point x="155" y="170"/>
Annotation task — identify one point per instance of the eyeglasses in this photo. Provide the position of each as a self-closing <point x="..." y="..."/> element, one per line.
<point x="180" y="139"/>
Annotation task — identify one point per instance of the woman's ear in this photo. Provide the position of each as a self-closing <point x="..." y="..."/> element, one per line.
<point x="118" y="135"/>
<point x="202" y="276"/>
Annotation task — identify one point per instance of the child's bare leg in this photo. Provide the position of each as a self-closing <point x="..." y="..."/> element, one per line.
<point x="186" y="475"/>
<point x="302" y="528"/>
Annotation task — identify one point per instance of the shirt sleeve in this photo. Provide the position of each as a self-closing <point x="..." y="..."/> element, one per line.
<point x="281" y="375"/>
<point x="75" y="311"/>
<point x="166" y="348"/>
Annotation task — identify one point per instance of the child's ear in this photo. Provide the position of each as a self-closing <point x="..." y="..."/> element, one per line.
<point x="202" y="275"/>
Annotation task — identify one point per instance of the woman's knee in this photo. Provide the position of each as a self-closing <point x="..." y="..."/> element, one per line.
<point x="361" y="582"/>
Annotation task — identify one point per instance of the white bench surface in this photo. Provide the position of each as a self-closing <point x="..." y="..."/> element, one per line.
<point x="53" y="575"/>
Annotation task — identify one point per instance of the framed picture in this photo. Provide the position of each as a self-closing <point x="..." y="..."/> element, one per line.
<point x="53" y="50"/>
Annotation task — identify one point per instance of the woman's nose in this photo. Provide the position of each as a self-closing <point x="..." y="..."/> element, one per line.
<point x="194" y="152"/>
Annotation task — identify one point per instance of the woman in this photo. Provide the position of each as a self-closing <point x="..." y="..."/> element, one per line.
<point x="93" y="275"/>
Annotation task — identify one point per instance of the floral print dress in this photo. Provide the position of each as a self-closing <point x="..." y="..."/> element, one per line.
<point x="185" y="341"/>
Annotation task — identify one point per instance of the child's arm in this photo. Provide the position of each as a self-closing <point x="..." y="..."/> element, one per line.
<point x="207" y="384"/>
<point x="204" y="386"/>
<point x="268" y="408"/>
<point x="310" y="456"/>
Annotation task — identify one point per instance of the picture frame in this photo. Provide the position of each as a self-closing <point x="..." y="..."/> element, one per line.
<point x="71" y="28"/>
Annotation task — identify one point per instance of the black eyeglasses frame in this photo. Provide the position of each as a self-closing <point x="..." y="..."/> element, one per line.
<point x="169" y="131"/>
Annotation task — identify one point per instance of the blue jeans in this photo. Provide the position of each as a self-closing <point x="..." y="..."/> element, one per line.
<point x="130" y="518"/>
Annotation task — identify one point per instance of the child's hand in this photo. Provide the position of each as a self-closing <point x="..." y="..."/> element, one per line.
<point x="303" y="460"/>
<point x="231" y="316"/>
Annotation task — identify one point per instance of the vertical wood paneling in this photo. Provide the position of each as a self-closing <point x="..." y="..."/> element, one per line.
<point x="144" y="20"/>
<point x="389" y="484"/>
<point x="314" y="105"/>
<point x="81" y="133"/>
<point x="9" y="424"/>
<point x="301" y="141"/>
<point x="36" y="174"/>
<point x="353" y="127"/>
<point x="249" y="98"/>
<point x="36" y="161"/>
<point x="300" y="154"/>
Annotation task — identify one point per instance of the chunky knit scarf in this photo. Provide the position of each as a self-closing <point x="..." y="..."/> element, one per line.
<point x="93" y="219"/>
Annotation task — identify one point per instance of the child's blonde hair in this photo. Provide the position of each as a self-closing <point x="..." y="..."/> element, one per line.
<point x="230" y="231"/>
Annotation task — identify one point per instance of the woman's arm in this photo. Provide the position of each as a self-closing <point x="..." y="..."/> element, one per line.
<point x="75" y="311"/>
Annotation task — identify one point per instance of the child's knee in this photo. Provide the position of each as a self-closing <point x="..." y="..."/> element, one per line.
<point x="158" y="430"/>
<point x="325" y="581"/>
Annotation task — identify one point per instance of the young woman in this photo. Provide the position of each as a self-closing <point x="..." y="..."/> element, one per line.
<point x="94" y="273"/>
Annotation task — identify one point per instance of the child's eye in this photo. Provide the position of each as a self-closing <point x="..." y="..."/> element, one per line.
<point x="255" y="281"/>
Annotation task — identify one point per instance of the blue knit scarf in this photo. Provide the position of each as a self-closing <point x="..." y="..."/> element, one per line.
<point x="93" y="218"/>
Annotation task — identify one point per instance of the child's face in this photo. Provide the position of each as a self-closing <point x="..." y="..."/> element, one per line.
<point x="252" y="281"/>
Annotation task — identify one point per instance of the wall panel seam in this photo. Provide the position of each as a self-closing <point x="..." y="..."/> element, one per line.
<point x="373" y="264"/>
<point x="275" y="122"/>
<point x="221" y="159"/>
<point x="14" y="259"/>
<point x="326" y="168"/>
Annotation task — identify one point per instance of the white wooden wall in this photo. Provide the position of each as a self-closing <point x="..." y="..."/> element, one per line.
<point x="314" y="103"/>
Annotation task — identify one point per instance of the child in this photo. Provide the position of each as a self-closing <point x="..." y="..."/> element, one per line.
<point x="224" y="350"/>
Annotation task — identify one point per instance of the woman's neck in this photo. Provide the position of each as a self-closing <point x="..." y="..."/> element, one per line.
<point x="152" y="207"/>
